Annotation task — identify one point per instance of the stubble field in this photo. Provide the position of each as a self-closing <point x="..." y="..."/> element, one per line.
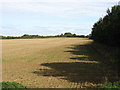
<point x="52" y="63"/>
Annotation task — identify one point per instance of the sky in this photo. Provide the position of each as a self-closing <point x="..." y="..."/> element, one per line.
<point x="51" y="17"/>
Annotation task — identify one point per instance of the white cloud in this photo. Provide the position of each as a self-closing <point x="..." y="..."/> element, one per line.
<point x="60" y="8"/>
<point x="56" y="8"/>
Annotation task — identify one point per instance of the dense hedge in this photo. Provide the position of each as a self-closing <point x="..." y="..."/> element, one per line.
<point x="107" y="29"/>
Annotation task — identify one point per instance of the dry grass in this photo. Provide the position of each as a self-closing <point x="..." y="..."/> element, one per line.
<point x="51" y="63"/>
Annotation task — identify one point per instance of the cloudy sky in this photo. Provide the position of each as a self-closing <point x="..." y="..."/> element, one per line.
<point x="51" y="17"/>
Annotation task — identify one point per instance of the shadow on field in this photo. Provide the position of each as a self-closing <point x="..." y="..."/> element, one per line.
<point x="89" y="66"/>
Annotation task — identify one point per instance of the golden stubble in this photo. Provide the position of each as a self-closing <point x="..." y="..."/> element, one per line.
<point x="22" y="57"/>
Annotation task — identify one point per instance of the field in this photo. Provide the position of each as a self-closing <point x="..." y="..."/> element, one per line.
<point x="55" y="63"/>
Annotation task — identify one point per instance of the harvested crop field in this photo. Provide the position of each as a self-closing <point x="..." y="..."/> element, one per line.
<point x="52" y="63"/>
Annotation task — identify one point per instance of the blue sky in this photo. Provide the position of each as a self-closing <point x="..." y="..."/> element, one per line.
<point x="51" y="17"/>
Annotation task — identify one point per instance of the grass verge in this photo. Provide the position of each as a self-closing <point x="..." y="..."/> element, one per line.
<point x="109" y="85"/>
<point x="11" y="85"/>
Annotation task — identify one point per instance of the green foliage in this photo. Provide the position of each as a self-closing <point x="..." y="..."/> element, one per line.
<point x="107" y="29"/>
<point x="12" y="85"/>
<point x="115" y="85"/>
<point x="68" y="34"/>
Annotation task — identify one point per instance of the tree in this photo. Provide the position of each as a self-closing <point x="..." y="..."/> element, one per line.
<point x="107" y="29"/>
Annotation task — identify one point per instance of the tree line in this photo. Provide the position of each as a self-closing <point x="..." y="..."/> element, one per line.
<point x="107" y="29"/>
<point x="27" y="36"/>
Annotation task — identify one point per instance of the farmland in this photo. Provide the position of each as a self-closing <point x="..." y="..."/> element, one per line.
<point x="55" y="63"/>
